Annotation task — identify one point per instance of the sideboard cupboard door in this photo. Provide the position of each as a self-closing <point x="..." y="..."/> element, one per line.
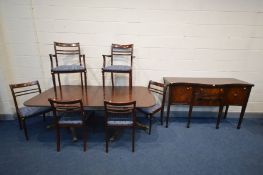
<point x="180" y="94"/>
<point x="237" y="95"/>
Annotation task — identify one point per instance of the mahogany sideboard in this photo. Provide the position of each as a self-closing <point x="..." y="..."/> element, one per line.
<point x="232" y="92"/>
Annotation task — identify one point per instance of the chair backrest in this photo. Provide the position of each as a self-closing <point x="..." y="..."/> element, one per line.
<point x="67" y="49"/>
<point x="120" y="110"/>
<point x="118" y="50"/>
<point x="68" y="107"/>
<point x="23" y="89"/>
<point x="159" y="91"/>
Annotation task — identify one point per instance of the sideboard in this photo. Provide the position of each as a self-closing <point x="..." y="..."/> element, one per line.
<point x="229" y="91"/>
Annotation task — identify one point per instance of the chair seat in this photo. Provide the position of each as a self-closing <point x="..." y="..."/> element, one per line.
<point x="150" y="110"/>
<point x="74" y="122"/>
<point x="119" y="122"/>
<point x="32" y="111"/>
<point x="70" y="120"/>
<point x="117" y="68"/>
<point x="68" y="68"/>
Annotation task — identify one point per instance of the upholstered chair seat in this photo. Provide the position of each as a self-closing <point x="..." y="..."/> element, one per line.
<point x="68" y="68"/>
<point x="32" y="111"/>
<point x="119" y="68"/>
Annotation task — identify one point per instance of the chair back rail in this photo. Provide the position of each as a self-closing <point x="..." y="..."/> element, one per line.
<point x="122" y="50"/>
<point x="156" y="87"/>
<point x="68" y="106"/>
<point x="116" y="108"/>
<point x="67" y="49"/>
<point x="33" y="86"/>
<point x="120" y="115"/>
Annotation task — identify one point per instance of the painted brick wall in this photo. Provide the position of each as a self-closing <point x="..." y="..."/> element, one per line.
<point x="196" y="38"/>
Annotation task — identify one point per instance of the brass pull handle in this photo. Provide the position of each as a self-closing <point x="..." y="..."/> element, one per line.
<point x="235" y="94"/>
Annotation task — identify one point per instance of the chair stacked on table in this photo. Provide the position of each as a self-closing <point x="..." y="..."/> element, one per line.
<point x="118" y="52"/>
<point x="62" y="52"/>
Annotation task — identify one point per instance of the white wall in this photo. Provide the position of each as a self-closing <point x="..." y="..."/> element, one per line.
<point x="195" y="38"/>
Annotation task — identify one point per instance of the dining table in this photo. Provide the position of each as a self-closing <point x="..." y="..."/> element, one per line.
<point x="94" y="96"/>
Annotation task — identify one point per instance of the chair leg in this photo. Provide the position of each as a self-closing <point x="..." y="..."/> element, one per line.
<point x="168" y="113"/>
<point x="59" y="81"/>
<point x="130" y="79"/>
<point x="219" y="116"/>
<point x="133" y="138"/>
<point x="107" y="139"/>
<point x="85" y="137"/>
<point x="25" y="128"/>
<point x="20" y="122"/>
<point x="81" y="80"/>
<point x="227" y="106"/>
<point x="112" y="80"/>
<point x="85" y="79"/>
<point x="150" y="124"/>
<point x="189" y="115"/>
<point x="44" y="117"/>
<point x="103" y="79"/>
<point x="54" y="83"/>
<point x="58" y="138"/>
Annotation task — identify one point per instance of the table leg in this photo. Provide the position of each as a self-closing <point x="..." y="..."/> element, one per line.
<point x="219" y="116"/>
<point x="241" y="116"/>
<point x="168" y="113"/>
<point x="227" y="106"/>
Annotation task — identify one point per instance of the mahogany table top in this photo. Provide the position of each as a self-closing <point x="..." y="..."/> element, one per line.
<point x="94" y="96"/>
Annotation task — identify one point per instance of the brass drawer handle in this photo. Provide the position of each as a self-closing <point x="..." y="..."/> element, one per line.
<point x="235" y="94"/>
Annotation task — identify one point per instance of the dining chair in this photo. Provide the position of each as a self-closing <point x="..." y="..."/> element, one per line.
<point x="120" y="115"/>
<point x="206" y="94"/>
<point x="69" y="114"/>
<point x="118" y="52"/>
<point x="159" y="91"/>
<point x="23" y="112"/>
<point x="63" y="52"/>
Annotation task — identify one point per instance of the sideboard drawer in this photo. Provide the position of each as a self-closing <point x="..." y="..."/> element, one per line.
<point x="181" y="94"/>
<point x="236" y="95"/>
<point x="208" y="96"/>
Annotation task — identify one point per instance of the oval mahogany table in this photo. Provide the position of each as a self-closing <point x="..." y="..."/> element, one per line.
<point x="94" y="96"/>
